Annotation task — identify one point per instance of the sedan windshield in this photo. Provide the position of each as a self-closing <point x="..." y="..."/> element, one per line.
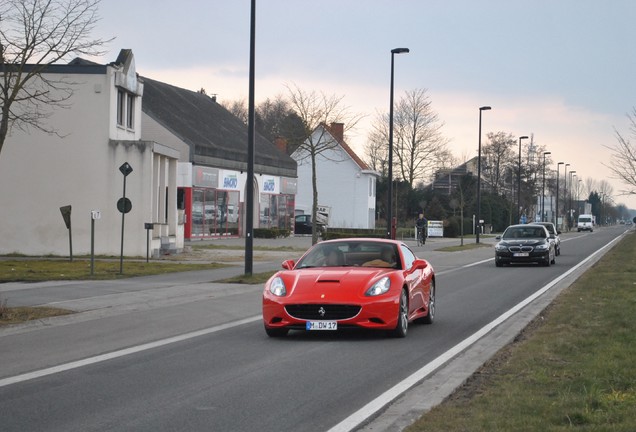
<point x="526" y="232"/>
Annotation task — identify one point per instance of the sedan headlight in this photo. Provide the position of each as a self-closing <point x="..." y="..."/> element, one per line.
<point x="277" y="287"/>
<point x="380" y="287"/>
<point x="542" y="246"/>
<point x="501" y="247"/>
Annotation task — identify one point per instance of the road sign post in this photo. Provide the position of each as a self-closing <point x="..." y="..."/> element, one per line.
<point x="124" y="206"/>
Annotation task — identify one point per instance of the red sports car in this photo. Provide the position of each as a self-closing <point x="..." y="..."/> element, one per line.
<point x="348" y="283"/>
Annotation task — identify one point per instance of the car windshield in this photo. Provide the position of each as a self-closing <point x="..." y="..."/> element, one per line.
<point x="524" y="232"/>
<point x="352" y="253"/>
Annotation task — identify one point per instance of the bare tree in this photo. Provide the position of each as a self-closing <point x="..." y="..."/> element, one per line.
<point x="317" y="109"/>
<point x="623" y="158"/>
<point x="238" y="108"/>
<point x="590" y="186"/>
<point x="498" y="158"/>
<point x="376" y="147"/>
<point x="419" y="148"/>
<point x="35" y="34"/>
<point x="419" y="145"/>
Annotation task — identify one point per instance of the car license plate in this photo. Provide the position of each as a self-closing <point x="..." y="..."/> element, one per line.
<point x="322" y="325"/>
<point x="522" y="254"/>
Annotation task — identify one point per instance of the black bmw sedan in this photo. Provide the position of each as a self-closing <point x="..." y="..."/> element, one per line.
<point x="525" y="243"/>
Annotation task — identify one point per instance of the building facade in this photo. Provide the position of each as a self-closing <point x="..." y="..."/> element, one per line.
<point x="346" y="185"/>
<point x="80" y="167"/>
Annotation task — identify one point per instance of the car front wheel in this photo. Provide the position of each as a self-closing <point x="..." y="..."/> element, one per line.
<point x="402" y="326"/>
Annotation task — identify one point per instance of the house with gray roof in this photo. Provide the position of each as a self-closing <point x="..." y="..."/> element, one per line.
<point x="213" y="164"/>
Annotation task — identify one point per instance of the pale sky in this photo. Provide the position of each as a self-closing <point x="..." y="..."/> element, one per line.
<point x="562" y="70"/>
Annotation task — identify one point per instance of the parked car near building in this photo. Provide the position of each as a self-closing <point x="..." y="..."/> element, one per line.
<point x="304" y="225"/>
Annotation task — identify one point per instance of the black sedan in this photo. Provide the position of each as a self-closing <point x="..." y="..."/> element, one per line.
<point x="304" y="225"/>
<point x="525" y="244"/>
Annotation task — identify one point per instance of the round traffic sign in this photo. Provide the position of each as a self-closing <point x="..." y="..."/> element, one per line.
<point x="124" y="205"/>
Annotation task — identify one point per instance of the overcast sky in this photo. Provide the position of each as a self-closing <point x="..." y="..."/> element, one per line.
<point x="561" y="70"/>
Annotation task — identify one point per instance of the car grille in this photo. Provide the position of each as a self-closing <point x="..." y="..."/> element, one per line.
<point x="322" y="311"/>
<point x="514" y="249"/>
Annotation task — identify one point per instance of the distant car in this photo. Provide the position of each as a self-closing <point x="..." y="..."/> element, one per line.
<point x="585" y="223"/>
<point x="350" y="283"/>
<point x="525" y="243"/>
<point x="554" y="235"/>
<point x="304" y="225"/>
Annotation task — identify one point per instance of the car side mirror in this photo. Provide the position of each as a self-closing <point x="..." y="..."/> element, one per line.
<point x="288" y="264"/>
<point x="558" y="232"/>
<point x="498" y="237"/>
<point x="419" y="264"/>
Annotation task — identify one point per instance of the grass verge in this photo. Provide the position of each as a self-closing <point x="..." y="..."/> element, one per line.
<point x="35" y="270"/>
<point x="571" y="369"/>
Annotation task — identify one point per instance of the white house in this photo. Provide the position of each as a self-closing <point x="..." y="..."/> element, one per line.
<point x="345" y="184"/>
<point x="97" y="133"/>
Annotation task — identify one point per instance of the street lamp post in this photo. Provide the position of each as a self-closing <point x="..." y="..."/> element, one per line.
<point x="556" y="215"/>
<point x="543" y="188"/>
<point x="519" y="181"/>
<point x="565" y="189"/>
<point x="389" y="209"/>
<point x="572" y="173"/>
<point x="484" y="108"/>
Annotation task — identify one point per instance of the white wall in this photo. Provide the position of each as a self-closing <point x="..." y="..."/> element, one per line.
<point x="39" y="173"/>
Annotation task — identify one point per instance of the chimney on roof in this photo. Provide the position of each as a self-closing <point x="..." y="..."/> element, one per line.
<point x="337" y="130"/>
<point x="281" y="144"/>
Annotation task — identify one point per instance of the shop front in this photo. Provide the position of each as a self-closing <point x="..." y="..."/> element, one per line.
<point x="213" y="206"/>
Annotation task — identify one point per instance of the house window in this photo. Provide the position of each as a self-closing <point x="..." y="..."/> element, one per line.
<point x="125" y="109"/>
<point x="130" y="111"/>
<point x="121" y="107"/>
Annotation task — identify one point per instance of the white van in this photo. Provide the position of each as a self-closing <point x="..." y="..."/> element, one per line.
<point x="585" y="223"/>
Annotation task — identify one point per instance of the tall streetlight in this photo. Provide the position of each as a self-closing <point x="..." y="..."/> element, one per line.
<point x="565" y="189"/>
<point x="251" y="125"/>
<point x="484" y="108"/>
<point x="390" y="190"/>
<point x="543" y="189"/>
<point x="556" y="216"/>
<point x="519" y="181"/>
<point x="572" y="173"/>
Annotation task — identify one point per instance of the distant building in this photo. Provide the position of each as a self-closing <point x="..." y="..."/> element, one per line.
<point x="446" y="180"/>
<point x="98" y="132"/>
<point x="212" y="170"/>
<point x="346" y="185"/>
<point x="188" y="157"/>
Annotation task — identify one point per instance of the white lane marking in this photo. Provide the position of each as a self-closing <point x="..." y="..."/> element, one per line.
<point x="124" y="352"/>
<point x="358" y="417"/>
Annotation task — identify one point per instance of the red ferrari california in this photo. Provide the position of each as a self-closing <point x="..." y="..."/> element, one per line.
<point x="350" y="283"/>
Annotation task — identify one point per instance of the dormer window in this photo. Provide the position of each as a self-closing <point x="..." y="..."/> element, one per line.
<point x="125" y="109"/>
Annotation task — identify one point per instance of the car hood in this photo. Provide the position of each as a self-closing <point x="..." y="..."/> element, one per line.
<point x="333" y="284"/>
<point x="522" y="242"/>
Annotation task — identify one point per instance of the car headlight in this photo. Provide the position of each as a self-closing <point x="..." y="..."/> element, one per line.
<point x="380" y="287"/>
<point x="277" y="287"/>
<point x="501" y="247"/>
<point x="543" y="246"/>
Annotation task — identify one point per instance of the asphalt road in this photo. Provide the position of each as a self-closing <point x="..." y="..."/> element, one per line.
<point x="179" y="352"/>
